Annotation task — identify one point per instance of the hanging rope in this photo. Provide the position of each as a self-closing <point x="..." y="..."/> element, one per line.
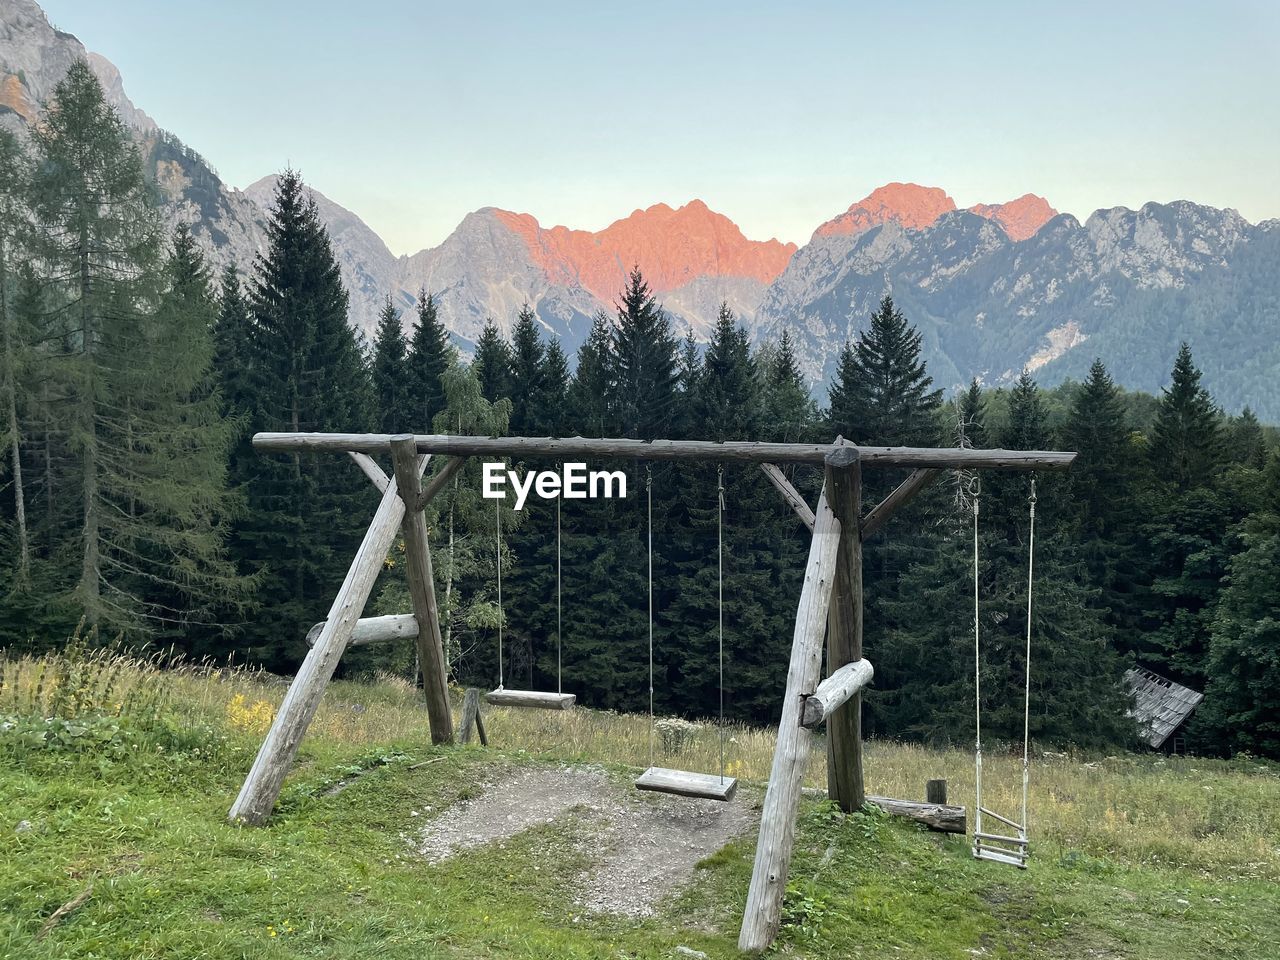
<point x="1026" y="695"/>
<point x="559" y="621"/>
<point x="648" y="488"/>
<point x="720" y="600"/>
<point x="977" y="678"/>
<point x="497" y="548"/>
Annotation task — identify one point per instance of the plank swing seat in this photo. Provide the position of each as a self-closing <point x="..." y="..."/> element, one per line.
<point x="686" y="783"/>
<point x="683" y="783"/>
<point x="536" y="699"/>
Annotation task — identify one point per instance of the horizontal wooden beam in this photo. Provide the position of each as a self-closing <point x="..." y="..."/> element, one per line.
<point x="935" y="816"/>
<point x="900" y="496"/>
<point x="397" y="626"/>
<point x="600" y="448"/>
<point x="789" y="493"/>
<point x="834" y="691"/>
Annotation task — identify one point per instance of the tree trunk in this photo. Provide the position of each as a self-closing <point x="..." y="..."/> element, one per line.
<point x="90" y="567"/>
<point x="23" y="572"/>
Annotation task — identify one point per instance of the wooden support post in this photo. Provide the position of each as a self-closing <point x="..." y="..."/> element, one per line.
<point x="844" y="628"/>
<point x="935" y="791"/>
<point x="261" y="787"/>
<point x="422" y="591"/>
<point x="833" y="692"/>
<point x="369" y="467"/>
<point x="436" y="483"/>
<point x="471" y="717"/>
<point x="789" y="493"/>
<point x="900" y="496"/>
<point x="763" y="913"/>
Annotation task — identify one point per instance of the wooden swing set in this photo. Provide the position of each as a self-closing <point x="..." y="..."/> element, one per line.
<point x="830" y="607"/>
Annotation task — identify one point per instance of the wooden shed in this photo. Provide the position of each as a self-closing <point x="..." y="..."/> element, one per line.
<point x="1160" y="706"/>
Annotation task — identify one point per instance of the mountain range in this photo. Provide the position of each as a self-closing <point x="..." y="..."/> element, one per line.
<point x="994" y="289"/>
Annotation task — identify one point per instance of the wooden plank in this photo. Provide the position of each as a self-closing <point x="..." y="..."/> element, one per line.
<point x="899" y="497"/>
<point x="763" y="912"/>
<point x="395" y="626"/>
<point x="936" y="816"/>
<point x="789" y="493"/>
<point x="262" y="786"/>
<point x="935" y="791"/>
<point x="1017" y="841"/>
<point x="422" y="592"/>
<point x="536" y="699"/>
<point x="705" y="786"/>
<point x="607" y="447"/>
<point x="844" y="628"/>
<point x="987" y="853"/>
<point x="437" y="483"/>
<point x="834" y="691"/>
<point x="369" y="467"/>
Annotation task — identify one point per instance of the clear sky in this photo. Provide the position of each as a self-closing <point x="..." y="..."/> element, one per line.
<point x="779" y="115"/>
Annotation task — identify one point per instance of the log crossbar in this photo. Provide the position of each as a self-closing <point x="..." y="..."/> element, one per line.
<point x="834" y="691"/>
<point x="741" y="450"/>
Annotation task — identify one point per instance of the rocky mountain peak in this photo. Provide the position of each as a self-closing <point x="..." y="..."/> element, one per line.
<point x="1021" y="218"/>
<point x="907" y="204"/>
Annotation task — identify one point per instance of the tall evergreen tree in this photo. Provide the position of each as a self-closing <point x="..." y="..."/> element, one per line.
<point x="492" y="363"/>
<point x="233" y="345"/>
<point x="593" y="383"/>
<point x="553" y="415"/>
<point x="430" y="356"/>
<point x="140" y="411"/>
<point x="394" y="410"/>
<point x="1186" y="445"/>
<point x="525" y="374"/>
<point x="882" y="392"/>
<point x="643" y="355"/>
<point x="789" y="411"/>
<point x="303" y="520"/>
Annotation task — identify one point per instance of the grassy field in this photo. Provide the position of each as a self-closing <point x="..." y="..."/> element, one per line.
<point x="115" y="779"/>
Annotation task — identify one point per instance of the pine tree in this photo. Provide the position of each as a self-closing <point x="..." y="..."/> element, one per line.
<point x="394" y="410"/>
<point x="790" y="414"/>
<point x="233" y="346"/>
<point x="304" y="516"/>
<point x="1241" y="709"/>
<point x="140" y="411"/>
<point x="971" y="428"/>
<point x="1247" y="442"/>
<point x="882" y="394"/>
<point x="430" y="356"/>
<point x="525" y="373"/>
<point x="492" y="364"/>
<point x="1186" y="444"/>
<point x="553" y="414"/>
<point x="593" y="383"/>
<point x="643" y="356"/>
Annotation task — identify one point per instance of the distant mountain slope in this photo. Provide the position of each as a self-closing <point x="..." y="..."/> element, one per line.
<point x="1127" y="285"/>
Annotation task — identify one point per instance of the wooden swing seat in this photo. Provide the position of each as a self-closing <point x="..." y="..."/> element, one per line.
<point x="705" y="786"/>
<point x="531" y="698"/>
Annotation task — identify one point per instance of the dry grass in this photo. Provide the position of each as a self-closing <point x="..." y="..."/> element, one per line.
<point x="1220" y="816"/>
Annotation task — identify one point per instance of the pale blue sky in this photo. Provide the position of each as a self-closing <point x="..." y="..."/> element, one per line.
<point x="414" y="113"/>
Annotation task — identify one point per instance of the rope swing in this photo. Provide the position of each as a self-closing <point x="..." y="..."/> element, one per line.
<point x="529" y="698"/>
<point x="1001" y="847"/>
<point x="683" y="782"/>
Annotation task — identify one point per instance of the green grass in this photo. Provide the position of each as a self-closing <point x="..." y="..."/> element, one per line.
<point x="1134" y="856"/>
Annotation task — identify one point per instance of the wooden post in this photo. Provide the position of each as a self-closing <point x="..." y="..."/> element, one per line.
<point x="471" y="717"/>
<point x="935" y="791"/>
<point x="835" y="691"/>
<point x="844" y="628"/>
<point x="262" y="786"/>
<point x="763" y="913"/>
<point x="422" y="592"/>
<point x="789" y="493"/>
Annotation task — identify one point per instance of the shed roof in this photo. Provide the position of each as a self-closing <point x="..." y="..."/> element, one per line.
<point x="1159" y="705"/>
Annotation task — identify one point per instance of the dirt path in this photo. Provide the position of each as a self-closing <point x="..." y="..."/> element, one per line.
<point x="643" y="846"/>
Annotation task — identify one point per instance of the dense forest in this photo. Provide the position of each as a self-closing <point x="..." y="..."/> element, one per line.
<point x="132" y="380"/>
